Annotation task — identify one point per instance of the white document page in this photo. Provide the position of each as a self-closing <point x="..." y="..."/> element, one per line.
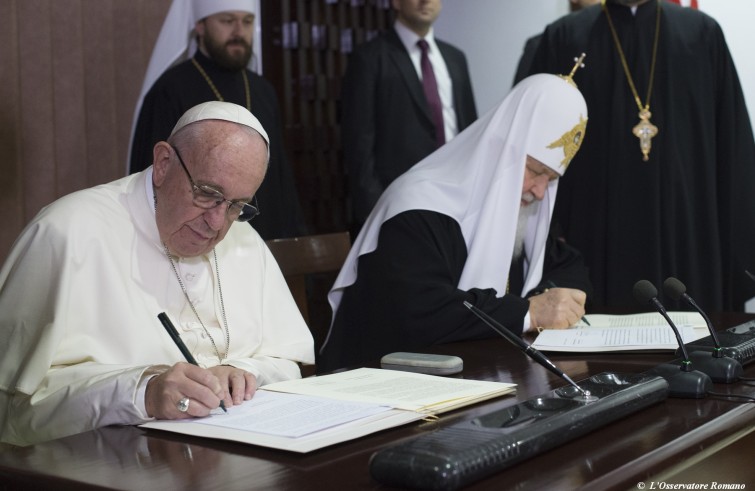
<point x="291" y="415"/>
<point x="679" y="318"/>
<point x="402" y="390"/>
<point x="307" y="414"/>
<point x="312" y="441"/>
<point x="612" y="338"/>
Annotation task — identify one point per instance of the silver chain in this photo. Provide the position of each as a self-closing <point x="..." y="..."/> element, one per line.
<point x="222" y="305"/>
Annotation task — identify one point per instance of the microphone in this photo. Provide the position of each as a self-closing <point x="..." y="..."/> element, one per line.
<point x="720" y="368"/>
<point x="584" y="396"/>
<point x="684" y="381"/>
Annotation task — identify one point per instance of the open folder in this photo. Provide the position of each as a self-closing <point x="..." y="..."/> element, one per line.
<point x="307" y="414"/>
<point x="635" y="332"/>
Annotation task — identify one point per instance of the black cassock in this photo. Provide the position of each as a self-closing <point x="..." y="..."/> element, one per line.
<point x="183" y="87"/>
<point x="689" y="211"/>
<point x="406" y="298"/>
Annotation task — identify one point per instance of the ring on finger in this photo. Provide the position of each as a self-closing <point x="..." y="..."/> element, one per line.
<point x="183" y="404"/>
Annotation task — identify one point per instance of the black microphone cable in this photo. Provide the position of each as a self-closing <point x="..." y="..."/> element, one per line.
<point x="727" y="396"/>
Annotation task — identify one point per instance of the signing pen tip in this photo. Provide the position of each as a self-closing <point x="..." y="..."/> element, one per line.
<point x="222" y="406"/>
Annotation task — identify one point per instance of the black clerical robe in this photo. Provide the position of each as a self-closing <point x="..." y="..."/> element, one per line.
<point x="405" y="297"/>
<point x="689" y="211"/>
<point x="182" y="87"/>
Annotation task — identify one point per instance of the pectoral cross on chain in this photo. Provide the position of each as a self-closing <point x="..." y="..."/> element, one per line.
<point x="645" y="131"/>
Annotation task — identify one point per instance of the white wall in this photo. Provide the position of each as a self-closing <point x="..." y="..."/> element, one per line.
<point x="492" y="34"/>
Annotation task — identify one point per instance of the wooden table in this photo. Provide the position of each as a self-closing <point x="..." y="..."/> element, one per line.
<point x="676" y="441"/>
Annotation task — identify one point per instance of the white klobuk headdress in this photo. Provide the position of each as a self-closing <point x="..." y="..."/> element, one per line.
<point x="477" y="179"/>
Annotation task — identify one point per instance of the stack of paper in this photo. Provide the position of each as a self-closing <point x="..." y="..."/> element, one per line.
<point x="307" y="414"/>
<point x="645" y="332"/>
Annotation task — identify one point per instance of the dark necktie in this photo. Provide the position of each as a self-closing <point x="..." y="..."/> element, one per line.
<point x="430" y="87"/>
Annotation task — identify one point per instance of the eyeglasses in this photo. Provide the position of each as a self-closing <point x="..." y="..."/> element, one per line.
<point x="207" y="197"/>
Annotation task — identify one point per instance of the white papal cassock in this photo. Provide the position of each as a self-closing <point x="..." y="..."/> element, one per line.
<point x="79" y="298"/>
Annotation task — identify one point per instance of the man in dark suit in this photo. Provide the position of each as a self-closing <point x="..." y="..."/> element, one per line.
<point x="387" y="122"/>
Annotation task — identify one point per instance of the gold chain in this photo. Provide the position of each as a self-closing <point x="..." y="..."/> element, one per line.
<point x="215" y="89"/>
<point x="644" y="130"/>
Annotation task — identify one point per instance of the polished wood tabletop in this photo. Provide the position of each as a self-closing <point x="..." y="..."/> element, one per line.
<point x="674" y="441"/>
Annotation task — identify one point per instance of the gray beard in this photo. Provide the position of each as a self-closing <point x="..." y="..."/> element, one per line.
<point x="525" y="213"/>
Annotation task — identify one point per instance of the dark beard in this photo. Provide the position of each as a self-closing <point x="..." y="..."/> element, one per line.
<point x="226" y="60"/>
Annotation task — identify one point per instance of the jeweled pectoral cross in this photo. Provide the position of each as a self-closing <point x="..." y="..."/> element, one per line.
<point x="645" y="131"/>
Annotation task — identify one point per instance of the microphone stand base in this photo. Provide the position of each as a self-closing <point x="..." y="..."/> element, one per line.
<point x="722" y="370"/>
<point x="684" y="385"/>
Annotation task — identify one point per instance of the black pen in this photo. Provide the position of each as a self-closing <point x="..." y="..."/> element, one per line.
<point x="168" y="325"/>
<point x="550" y="284"/>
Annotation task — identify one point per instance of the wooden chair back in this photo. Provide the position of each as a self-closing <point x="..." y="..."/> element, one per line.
<point x="310" y="265"/>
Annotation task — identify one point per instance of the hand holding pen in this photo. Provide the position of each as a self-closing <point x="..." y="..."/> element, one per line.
<point x="551" y="284"/>
<point x="184" y="404"/>
<point x="183" y="391"/>
<point x="557" y="308"/>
